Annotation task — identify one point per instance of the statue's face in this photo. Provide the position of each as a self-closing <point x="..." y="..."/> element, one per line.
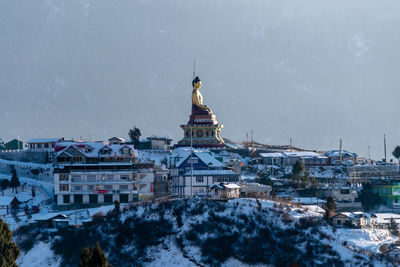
<point x="197" y="85"/>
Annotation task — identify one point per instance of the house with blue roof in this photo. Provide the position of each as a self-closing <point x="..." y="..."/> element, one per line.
<point x="195" y="171"/>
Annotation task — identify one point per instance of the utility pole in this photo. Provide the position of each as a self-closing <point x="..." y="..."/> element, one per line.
<point x="290" y="141"/>
<point x="369" y="157"/>
<point x="194" y="68"/>
<point x="340" y="150"/>
<point x="251" y="138"/>
<point x="191" y="140"/>
<point x="191" y="161"/>
<point x="384" y="146"/>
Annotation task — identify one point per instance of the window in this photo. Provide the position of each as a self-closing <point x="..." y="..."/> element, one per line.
<point x="108" y="198"/>
<point x="91" y="178"/>
<point x="39" y="146"/>
<point x="142" y="175"/>
<point x="78" y="199"/>
<point x="105" y="151"/>
<point x="193" y="160"/>
<point x="76" y="178"/>
<point x="109" y="187"/>
<point x="63" y="177"/>
<point x="77" y="188"/>
<point x="123" y="198"/>
<point x="90" y="187"/>
<point x="124" y="177"/>
<point x="47" y="146"/>
<point x="93" y="199"/>
<point x="134" y="187"/>
<point x="126" y="150"/>
<point x="199" y="179"/>
<point x="64" y="187"/>
<point x="134" y="177"/>
<point x="110" y="177"/>
<point x="66" y="199"/>
<point x="78" y="159"/>
<point x="123" y="187"/>
<point x="141" y="186"/>
<point x="344" y="191"/>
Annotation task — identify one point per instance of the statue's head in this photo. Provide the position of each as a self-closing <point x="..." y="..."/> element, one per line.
<point x="196" y="83"/>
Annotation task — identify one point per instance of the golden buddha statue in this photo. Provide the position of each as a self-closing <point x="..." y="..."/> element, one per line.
<point x="197" y="98"/>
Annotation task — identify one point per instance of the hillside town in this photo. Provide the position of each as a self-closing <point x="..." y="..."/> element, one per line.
<point x="58" y="183"/>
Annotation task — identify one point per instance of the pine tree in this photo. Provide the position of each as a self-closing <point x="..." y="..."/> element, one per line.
<point x="4" y="184"/>
<point x="396" y="153"/>
<point x="9" y="250"/>
<point x="98" y="257"/>
<point x="263" y="178"/>
<point x="330" y="203"/>
<point x="368" y="198"/>
<point x="33" y="191"/>
<point x="298" y="169"/>
<point x="93" y="258"/>
<point x="85" y="258"/>
<point x="330" y="208"/>
<point x="117" y="209"/>
<point x="134" y="134"/>
<point x="14" y="180"/>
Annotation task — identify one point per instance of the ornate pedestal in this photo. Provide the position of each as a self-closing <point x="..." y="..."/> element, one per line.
<point x="202" y="129"/>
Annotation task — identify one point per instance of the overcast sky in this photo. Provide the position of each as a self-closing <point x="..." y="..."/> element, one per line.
<point x="313" y="70"/>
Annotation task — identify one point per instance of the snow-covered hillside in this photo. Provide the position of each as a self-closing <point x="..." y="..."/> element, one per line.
<point x="204" y="232"/>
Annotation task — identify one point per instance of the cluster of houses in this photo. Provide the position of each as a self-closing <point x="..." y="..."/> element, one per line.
<point x="364" y="220"/>
<point x="309" y="158"/>
<point x="101" y="172"/>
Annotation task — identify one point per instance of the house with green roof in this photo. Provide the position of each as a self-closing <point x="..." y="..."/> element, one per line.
<point x="14" y="145"/>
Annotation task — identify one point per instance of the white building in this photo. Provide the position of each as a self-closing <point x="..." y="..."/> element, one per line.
<point x="93" y="172"/>
<point x="194" y="173"/>
<point x="286" y="158"/>
<point x="43" y="144"/>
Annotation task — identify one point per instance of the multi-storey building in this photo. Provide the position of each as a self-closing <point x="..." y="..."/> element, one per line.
<point x="43" y="144"/>
<point x="95" y="172"/>
<point x="195" y="172"/>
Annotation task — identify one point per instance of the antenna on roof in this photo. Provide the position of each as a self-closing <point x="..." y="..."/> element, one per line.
<point x="194" y="68"/>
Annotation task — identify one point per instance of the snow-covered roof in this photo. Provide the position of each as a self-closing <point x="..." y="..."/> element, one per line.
<point x="256" y="187"/>
<point x="204" y="155"/>
<point x="92" y="149"/>
<point x="307" y="200"/>
<point x="353" y="215"/>
<point x="336" y="153"/>
<point x="49" y="216"/>
<point x="117" y="138"/>
<point x="5" y="200"/>
<point x="384" y="218"/>
<point x="44" y="140"/>
<point x="304" y="154"/>
<point x="272" y="155"/>
<point x="211" y="172"/>
<point x="225" y="185"/>
<point x="296" y="154"/>
<point x="315" y="208"/>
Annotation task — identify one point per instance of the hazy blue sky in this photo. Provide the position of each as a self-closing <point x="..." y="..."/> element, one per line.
<point x="312" y="70"/>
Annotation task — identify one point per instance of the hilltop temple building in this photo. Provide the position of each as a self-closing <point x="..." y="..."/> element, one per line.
<point x="202" y="129"/>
